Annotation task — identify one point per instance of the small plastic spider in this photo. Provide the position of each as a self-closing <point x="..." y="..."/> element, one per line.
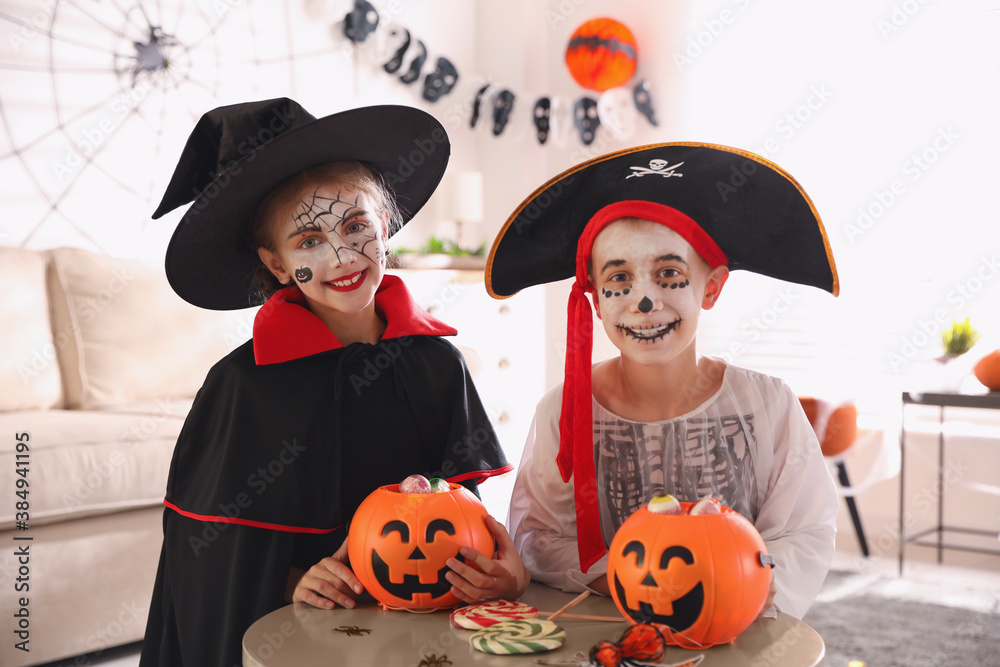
<point x="432" y="660"/>
<point x="352" y="630"/>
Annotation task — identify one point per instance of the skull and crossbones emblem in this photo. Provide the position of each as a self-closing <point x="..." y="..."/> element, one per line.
<point x="657" y="167"/>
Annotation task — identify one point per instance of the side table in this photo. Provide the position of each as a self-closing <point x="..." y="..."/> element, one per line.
<point x="942" y="400"/>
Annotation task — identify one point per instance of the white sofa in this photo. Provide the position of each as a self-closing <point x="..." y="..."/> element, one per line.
<point x="99" y="363"/>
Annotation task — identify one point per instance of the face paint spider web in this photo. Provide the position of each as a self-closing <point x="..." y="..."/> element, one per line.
<point x="313" y="215"/>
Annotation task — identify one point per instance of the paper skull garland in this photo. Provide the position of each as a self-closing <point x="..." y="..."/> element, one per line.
<point x="701" y="579"/>
<point x="416" y="64"/>
<point x="440" y="82"/>
<point x="540" y="117"/>
<point x="360" y="21"/>
<point x="503" y="105"/>
<point x="399" y="543"/>
<point x="586" y="119"/>
<point x="643" y="102"/>
<point x="617" y="112"/>
<point x="400" y="36"/>
<point x="477" y="104"/>
<point x="601" y="54"/>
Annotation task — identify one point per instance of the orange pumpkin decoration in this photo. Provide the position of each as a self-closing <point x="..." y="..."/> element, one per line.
<point x="601" y="54"/>
<point x="701" y="579"/>
<point x="399" y="543"/>
<point x="987" y="370"/>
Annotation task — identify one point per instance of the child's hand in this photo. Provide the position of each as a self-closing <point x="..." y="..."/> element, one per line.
<point x="505" y="578"/>
<point x="329" y="582"/>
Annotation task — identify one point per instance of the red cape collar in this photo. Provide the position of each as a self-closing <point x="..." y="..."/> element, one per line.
<point x="285" y="329"/>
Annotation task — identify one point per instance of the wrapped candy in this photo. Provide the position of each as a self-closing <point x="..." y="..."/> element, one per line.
<point x="416" y="484"/>
<point x="439" y="485"/>
<point x="665" y="505"/>
<point x="706" y="505"/>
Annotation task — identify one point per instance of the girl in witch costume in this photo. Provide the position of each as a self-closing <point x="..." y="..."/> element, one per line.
<point x="651" y="233"/>
<point x="347" y="384"/>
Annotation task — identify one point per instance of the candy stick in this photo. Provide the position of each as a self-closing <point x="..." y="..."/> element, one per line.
<point x="589" y="617"/>
<point x="569" y="605"/>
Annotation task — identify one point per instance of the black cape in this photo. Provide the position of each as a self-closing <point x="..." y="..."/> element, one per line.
<point x="266" y="473"/>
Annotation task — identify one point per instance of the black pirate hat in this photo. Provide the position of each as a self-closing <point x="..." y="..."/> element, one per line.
<point x="753" y="209"/>
<point x="236" y="154"/>
<point x="734" y="208"/>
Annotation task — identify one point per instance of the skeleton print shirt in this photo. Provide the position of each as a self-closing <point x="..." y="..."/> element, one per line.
<point x="706" y="453"/>
<point x="750" y="445"/>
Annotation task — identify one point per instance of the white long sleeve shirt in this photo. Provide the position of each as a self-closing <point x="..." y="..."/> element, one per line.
<point x="749" y="445"/>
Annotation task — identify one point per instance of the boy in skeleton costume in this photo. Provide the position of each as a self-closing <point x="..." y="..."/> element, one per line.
<point x="347" y="384"/>
<point x="651" y="233"/>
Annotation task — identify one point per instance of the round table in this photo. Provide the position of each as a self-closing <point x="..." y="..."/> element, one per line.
<point x="299" y="635"/>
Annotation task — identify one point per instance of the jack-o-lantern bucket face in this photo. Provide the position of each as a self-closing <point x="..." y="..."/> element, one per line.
<point x="701" y="578"/>
<point x="399" y="544"/>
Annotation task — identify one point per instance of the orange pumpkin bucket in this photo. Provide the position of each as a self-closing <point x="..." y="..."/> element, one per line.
<point x="399" y="543"/>
<point x="701" y="579"/>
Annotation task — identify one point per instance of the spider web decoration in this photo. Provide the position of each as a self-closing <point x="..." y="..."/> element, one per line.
<point x="97" y="98"/>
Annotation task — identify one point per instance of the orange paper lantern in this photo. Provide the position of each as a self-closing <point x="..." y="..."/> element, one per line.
<point x="602" y="54"/>
<point x="701" y="579"/>
<point x="399" y="543"/>
<point x="987" y="370"/>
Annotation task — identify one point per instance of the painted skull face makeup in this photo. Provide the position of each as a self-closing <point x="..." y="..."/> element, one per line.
<point x="650" y="286"/>
<point x="331" y="244"/>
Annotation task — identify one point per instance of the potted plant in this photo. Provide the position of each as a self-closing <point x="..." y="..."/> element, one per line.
<point x="958" y="338"/>
<point x="439" y="253"/>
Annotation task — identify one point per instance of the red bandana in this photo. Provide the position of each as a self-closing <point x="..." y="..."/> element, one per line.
<point x="297" y="333"/>
<point x="576" y="423"/>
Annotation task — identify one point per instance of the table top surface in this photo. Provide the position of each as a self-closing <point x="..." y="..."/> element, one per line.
<point x="953" y="399"/>
<point x="300" y="635"/>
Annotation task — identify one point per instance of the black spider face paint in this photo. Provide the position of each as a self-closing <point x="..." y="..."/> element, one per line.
<point x="609" y="293"/>
<point x="649" y="334"/>
<point x="303" y="274"/>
